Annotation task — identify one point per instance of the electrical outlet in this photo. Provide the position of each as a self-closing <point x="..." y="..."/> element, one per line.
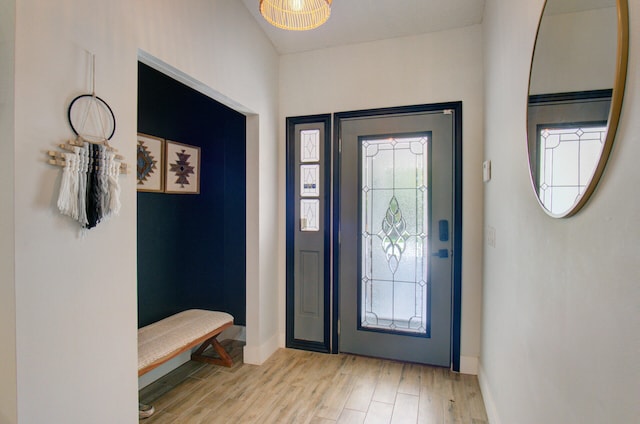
<point x="491" y="236"/>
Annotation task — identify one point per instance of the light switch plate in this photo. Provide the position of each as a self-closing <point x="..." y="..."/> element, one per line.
<point x="486" y="171"/>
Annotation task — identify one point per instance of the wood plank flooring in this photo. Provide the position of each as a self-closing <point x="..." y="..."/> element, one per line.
<point x="301" y="387"/>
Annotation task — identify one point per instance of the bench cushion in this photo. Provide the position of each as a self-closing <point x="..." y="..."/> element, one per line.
<point x="163" y="338"/>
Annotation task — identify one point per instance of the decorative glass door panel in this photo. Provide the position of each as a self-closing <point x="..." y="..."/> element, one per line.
<point x="394" y="229"/>
<point x="396" y="179"/>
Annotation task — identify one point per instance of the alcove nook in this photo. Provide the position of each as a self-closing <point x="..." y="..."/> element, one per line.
<point x="191" y="248"/>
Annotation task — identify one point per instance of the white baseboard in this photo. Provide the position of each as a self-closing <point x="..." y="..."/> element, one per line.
<point x="164" y="369"/>
<point x="469" y="365"/>
<point x="487" y="396"/>
<point x="256" y="355"/>
<point x="235" y="332"/>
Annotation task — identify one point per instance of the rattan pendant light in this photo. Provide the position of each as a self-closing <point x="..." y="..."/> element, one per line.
<point x="296" y="15"/>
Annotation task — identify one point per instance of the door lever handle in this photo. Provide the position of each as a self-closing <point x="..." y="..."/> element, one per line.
<point x="442" y="253"/>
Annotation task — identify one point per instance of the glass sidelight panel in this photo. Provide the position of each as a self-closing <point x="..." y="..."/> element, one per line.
<point x="394" y="178"/>
<point x="308" y="228"/>
<point x="309" y="180"/>
<point x="310" y="145"/>
<point x="309" y="214"/>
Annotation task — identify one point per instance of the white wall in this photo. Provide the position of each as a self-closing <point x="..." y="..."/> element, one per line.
<point x="76" y="297"/>
<point x="220" y="46"/>
<point x="8" y="384"/>
<point x="561" y="329"/>
<point x="437" y="67"/>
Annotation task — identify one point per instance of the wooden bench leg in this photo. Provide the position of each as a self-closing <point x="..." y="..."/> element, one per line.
<point x="224" y="358"/>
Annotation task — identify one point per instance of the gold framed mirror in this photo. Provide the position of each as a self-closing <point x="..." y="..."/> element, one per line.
<point x="576" y="86"/>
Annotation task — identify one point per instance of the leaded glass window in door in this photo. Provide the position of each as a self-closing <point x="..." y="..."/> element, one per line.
<point x="394" y="195"/>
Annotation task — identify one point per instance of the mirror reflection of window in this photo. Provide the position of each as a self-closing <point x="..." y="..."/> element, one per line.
<point x="565" y="116"/>
<point x="569" y="155"/>
<point x="577" y="78"/>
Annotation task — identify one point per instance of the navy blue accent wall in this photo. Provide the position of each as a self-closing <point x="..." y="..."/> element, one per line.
<point x="192" y="247"/>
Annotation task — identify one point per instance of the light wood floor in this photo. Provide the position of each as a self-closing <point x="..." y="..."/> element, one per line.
<point x="295" y="386"/>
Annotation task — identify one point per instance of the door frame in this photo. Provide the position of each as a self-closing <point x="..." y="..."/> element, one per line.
<point x="456" y="232"/>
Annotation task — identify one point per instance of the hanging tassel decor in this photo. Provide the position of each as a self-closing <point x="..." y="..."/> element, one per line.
<point x="89" y="189"/>
<point x="68" y="197"/>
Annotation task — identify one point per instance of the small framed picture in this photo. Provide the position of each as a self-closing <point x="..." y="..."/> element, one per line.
<point x="150" y="163"/>
<point x="182" y="168"/>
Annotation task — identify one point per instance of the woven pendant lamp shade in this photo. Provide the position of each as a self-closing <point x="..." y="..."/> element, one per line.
<point x="296" y="15"/>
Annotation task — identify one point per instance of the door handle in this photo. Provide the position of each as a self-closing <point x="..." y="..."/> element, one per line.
<point x="442" y="253"/>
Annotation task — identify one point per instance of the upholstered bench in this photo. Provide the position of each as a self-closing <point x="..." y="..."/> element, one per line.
<point x="169" y="337"/>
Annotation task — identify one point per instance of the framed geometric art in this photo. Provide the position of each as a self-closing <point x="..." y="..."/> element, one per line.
<point x="182" y="168"/>
<point x="150" y="163"/>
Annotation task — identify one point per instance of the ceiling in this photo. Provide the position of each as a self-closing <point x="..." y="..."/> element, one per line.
<point x="357" y="21"/>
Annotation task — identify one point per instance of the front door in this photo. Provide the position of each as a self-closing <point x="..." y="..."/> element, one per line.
<point x="395" y="234"/>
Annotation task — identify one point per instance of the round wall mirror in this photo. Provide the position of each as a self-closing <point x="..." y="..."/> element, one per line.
<point x="576" y="85"/>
